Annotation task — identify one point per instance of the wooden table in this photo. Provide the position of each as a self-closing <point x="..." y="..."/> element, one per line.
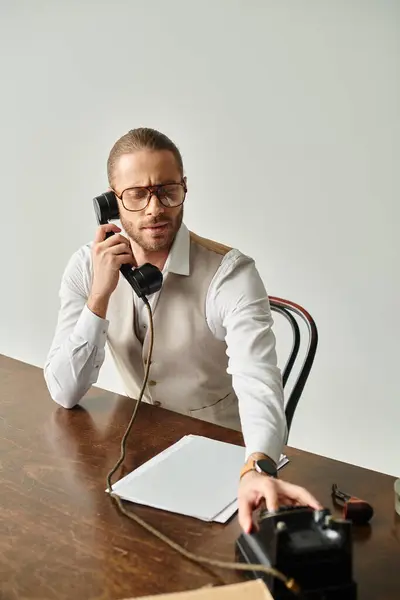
<point x="62" y="537"/>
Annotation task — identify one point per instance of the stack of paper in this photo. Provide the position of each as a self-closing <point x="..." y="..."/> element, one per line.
<point x="197" y="477"/>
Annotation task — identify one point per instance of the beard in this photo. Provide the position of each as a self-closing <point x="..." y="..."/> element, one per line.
<point x="146" y="240"/>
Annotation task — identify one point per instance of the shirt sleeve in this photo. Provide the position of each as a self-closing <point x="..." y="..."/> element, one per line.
<point x="78" y="347"/>
<point x="238" y="311"/>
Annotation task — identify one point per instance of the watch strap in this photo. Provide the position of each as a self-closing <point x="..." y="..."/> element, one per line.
<point x="249" y="465"/>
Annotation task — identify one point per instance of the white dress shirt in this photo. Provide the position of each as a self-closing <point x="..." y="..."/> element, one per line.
<point x="237" y="311"/>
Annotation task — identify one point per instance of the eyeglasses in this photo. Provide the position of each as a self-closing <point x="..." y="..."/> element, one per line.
<point x="137" y="198"/>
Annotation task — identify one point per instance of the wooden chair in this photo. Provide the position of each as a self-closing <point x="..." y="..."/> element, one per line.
<point x="292" y="311"/>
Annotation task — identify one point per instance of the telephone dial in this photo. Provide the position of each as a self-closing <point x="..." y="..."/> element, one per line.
<point x="145" y="280"/>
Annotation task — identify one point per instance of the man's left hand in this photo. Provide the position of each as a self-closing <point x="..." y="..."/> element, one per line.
<point x="255" y="487"/>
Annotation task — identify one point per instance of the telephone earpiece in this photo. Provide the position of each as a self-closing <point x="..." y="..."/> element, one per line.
<point x="106" y="207"/>
<point x="145" y="280"/>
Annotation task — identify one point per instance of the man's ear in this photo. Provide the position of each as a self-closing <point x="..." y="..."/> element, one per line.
<point x="185" y="181"/>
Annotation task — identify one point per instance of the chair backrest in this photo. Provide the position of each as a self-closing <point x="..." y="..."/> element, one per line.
<point x="290" y="311"/>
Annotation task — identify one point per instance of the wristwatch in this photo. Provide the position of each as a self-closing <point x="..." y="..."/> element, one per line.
<point x="262" y="465"/>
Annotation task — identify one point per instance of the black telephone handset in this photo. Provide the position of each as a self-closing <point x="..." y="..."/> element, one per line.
<point x="145" y="280"/>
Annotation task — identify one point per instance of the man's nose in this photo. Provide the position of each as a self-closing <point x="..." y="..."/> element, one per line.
<point x="154" y="206"/>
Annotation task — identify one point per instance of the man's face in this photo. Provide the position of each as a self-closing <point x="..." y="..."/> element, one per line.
<point x="153" y="228"/>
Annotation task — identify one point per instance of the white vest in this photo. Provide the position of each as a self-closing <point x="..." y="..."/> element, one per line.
<point x="188" y="368"/>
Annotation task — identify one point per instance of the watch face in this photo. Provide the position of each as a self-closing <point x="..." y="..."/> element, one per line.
<point x="266" y="466"/>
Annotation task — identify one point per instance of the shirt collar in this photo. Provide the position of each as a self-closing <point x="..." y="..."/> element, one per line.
<point x="178" y="257"/>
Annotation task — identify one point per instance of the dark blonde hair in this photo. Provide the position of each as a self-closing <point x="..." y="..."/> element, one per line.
<point x="142" y="138"/>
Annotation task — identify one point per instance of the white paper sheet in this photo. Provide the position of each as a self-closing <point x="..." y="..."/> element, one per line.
<point x="197" y="477"/>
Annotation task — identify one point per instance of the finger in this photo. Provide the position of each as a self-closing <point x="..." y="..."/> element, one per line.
<point x="103" y="229"/>
<point x="298" y="494"/>
<point x="270" y="494"/>
<point x="113" y="240"/>
<point x="283" y="501"/>
<point x="125" y="259"/>
<point x="245" y="515"/>
<point x="260" y="502"/>
<point x="120" y="249"/>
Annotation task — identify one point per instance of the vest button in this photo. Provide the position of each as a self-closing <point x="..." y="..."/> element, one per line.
<point x="157" y="403"/>
<point x="152" y="382"/>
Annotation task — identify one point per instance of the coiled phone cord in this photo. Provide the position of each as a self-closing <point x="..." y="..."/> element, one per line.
<point x="236" y="566"/>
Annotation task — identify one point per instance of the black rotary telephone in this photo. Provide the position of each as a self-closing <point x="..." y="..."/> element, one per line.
<point x="312" y="546"/>
<point x="145" y="280"/>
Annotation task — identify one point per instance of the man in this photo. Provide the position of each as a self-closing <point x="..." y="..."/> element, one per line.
<point x="214" y="354"/>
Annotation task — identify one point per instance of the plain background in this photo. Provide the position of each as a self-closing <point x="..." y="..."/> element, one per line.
<point x="287" y="116"/>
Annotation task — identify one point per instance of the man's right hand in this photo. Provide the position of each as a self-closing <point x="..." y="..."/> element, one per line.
<point x="108" y="255"/>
